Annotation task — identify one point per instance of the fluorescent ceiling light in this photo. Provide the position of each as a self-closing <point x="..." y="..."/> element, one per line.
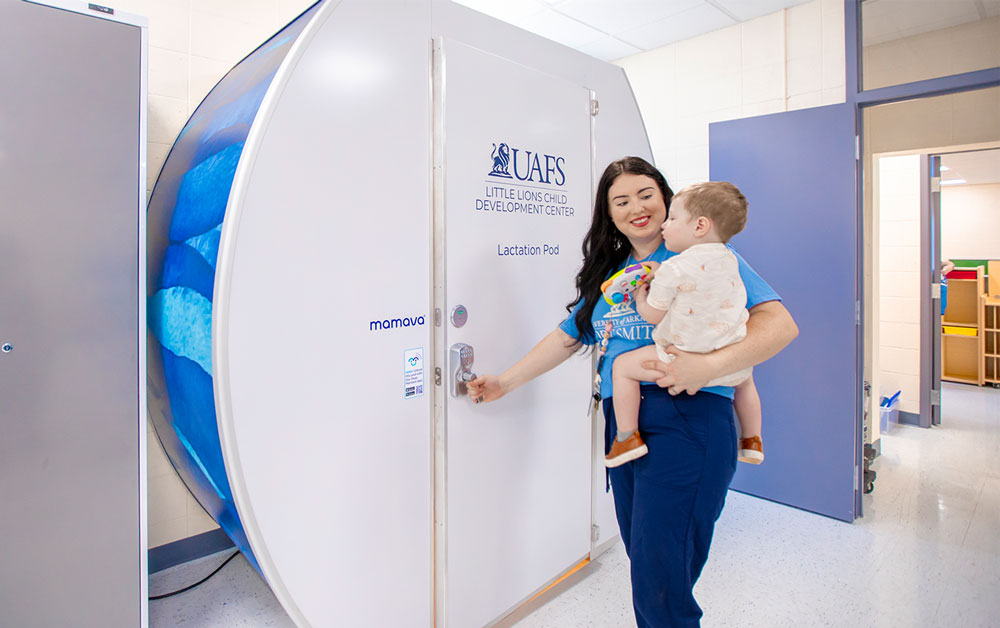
<point x="953" y="182"/>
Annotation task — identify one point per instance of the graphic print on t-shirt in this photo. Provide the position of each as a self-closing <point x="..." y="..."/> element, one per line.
<point x="627" y="323"/>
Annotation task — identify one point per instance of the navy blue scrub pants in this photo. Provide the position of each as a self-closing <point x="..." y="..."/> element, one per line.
<point x="668" y="501"/>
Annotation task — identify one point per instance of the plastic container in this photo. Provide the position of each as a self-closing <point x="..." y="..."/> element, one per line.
<point x="888" y="412"/>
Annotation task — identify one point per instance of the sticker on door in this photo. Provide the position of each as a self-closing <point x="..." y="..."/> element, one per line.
<point x="413" y="373"/>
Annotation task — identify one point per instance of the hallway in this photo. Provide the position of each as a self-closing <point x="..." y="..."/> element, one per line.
<point x="926" y="553"/>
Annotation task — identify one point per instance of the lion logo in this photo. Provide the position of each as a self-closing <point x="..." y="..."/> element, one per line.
<point x="501" y="158"/>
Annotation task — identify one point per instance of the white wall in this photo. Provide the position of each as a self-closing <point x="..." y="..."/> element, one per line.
<point x="193" y="43"/>
<point x="791" y="59"/>
<point x="898" y="246"/>
<point x="970" y="221"/>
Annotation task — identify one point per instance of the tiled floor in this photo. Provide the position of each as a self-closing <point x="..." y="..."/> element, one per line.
<point x="926" y="553"/>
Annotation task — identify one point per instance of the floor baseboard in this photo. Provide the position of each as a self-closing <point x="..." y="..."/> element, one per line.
<point x="191" y="548"/>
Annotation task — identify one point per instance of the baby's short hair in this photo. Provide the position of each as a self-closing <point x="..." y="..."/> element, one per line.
<point x="720" y="201"/>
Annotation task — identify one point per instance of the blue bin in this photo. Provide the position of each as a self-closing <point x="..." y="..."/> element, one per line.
<point x="889" y="412"/>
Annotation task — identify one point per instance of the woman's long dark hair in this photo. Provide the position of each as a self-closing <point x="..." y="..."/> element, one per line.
<point x="605" y="248"/>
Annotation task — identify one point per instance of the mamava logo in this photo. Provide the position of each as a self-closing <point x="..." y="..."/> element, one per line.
<point x="413" y="361"/>
<point x="527" y="165"/>
<point x="392" y="323"/>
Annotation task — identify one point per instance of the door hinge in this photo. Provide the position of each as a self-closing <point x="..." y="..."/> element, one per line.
<point x="935" y="184"/>
<point x="437" y="317"/>
<point x="857" y="148"/>
<point x="855" y="475"/>
<point x="595" y="107"/>
<point x="935" y="396"/>
<point x="857" y="312"/>
<point x="595" y="533"/>
<point x="935" y="291"/>
<point x="437" y="375"/>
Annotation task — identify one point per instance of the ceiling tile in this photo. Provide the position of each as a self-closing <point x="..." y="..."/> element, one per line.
<point x="560" y="28"/>
<point x="622" y="15"/>
<point x="637" y="25"/>
<point x="508" y="10"/>
<point x="609" y="49"/>
<point x="744" y="10"/>
<point x="690" y="23"/>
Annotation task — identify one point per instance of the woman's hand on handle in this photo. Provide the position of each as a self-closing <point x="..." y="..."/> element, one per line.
<point x="551" y="351"/>
<point x="485" y="388"/>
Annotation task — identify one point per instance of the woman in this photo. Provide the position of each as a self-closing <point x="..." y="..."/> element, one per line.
<point x="666" y="502"/>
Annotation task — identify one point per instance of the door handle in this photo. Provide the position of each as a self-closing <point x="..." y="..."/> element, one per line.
<point x="460" y="362"/>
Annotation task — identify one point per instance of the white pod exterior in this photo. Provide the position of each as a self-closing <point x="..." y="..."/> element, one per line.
<point x="330" y="266"/>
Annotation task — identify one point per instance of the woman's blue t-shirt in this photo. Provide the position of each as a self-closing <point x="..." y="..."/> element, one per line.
<point x="631" y="331"/>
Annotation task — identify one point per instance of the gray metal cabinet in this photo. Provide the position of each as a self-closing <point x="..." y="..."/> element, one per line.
<point x="72" y="418"/>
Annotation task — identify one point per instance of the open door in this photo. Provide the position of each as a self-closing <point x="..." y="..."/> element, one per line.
<point x="930" y="302"/>
<point x="512" y="198"/>
<point x="797" y="169"/>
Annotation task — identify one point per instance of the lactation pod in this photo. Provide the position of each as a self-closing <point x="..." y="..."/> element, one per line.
<point x="378" y="184"/>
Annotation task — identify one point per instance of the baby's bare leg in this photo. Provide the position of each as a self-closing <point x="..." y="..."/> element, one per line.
<point x="746" y="402"/>
<point x="627" y="372"/>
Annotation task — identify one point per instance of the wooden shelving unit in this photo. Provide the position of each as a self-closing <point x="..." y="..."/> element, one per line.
<point x="991" y="327"/>
<point x="962" y="331"/>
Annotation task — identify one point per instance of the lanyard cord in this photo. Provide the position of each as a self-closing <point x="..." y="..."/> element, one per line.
<point x="605" y="338"/>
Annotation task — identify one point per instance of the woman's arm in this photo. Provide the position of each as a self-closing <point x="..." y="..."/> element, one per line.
<point x="769" y="330"/>
<point x="550" y="352"/>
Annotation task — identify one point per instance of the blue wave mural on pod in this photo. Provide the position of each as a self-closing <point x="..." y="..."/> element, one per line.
<point x="184" y="225"/>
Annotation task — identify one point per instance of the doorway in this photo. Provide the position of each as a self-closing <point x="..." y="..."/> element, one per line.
<point x="969" y="198"/>
<point x="918" y="214"/>
<point x="924" y="80"/>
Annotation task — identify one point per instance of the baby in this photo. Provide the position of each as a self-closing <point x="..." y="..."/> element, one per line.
<point x="698" y="303"/>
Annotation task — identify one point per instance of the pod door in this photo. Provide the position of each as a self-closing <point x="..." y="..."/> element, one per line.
<point x="513" y="180"/>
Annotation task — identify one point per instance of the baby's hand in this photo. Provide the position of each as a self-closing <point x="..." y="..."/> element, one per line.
<point x="641" y="292"/>
<point x="652" y="266"/>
